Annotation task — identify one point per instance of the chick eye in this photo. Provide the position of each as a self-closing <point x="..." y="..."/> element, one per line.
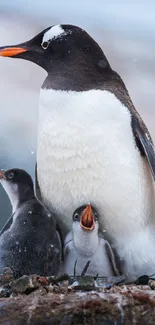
<point x="96" y="215"/>
<point x="45" y="45"/>
<point x="10" y="175"/>
<point x="76" y="216"/>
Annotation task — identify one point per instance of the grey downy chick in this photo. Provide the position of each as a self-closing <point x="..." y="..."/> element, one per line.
<point x="84" y="243"/>
<point x="29" y="241"/>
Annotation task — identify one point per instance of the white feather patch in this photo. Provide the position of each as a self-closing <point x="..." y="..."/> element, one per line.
<point x="87" y="153"/>
<point x="12" y="192"/>
<point x="54" y="32"/>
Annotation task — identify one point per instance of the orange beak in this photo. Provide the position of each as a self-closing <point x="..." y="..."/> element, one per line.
<point x="87" y="219"/>
<point x="2" y="176"/>
<point x="11" y="51"/>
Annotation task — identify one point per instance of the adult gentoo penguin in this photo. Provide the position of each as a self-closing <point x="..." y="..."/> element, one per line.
<point x="85" y="244"/>
<point x="29" y="241"/>
<point x="92" y="144"/>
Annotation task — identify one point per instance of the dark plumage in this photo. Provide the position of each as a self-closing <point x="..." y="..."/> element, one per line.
<point x="29" y="242"/>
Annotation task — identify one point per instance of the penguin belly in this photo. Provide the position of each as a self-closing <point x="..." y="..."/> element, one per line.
<point x="87" y="147"/>
<point x="99" y="262"/>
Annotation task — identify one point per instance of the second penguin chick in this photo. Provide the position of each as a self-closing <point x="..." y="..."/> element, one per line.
<point x="84" y="243"/>
<point x="29" y="241"/>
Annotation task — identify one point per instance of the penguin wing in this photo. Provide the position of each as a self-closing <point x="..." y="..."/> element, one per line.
<point x="7" y="225"/>
<point x="112" y="258"/>
<point x="37" y="188"/>
<point x="144" y="142"/>
<point x="68" y="245"/>
<point x="56" y="228"/>
<point x="59" y="234"/>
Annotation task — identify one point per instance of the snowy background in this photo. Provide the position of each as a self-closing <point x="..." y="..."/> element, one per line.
<point x="125" y="31"/>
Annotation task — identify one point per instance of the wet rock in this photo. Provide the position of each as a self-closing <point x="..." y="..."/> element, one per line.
<point x="39" y="292"/>
<point x="144" y="279"/>
<point x="37" y="300"/>
<point x="42" y="280"/>
<point x="86" y="283"/>
<point x="5" y="291"/>
<point x="25" y="284"/>
<point x="128" y="305"/>
<point x="107" y="283"/>
<point x="64" y="287"/>
<point x="6" y="276"/>
<point x="152" y="284"/>
<point x="59" y="279"/>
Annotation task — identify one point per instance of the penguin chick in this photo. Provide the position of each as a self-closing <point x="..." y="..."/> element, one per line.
<point x="29" y="241"/>
<point x="84" y="243"/>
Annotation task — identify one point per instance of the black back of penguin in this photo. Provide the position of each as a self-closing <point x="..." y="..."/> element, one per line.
<point x="29" y="242"/>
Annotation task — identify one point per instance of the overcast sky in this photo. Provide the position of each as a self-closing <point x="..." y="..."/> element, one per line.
<point x="125" y="31"/>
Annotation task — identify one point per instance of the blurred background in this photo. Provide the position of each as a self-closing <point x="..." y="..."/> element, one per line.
<point x="125" y="31"/>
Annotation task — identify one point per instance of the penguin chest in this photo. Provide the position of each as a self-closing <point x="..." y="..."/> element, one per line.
<point x="99" y="262"/>
<point x="87" y="153"/>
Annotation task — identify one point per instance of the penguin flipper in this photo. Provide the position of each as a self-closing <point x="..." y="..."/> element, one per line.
<point x="112" y="258"/>
<point x="144" y="142"/>
<point x="59" y="234"/>
<point x="68" y="243"/>
<point x="7" y="225"/>
<point x="37" y="187"/>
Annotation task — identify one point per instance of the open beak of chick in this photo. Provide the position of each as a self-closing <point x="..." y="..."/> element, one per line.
<point x="87" y="221"/>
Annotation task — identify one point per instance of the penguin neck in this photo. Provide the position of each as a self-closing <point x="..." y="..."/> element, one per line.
<point x="77" y="74"/>
<point x="14" y="200"/>
<point x="17" y="195"/>
<point x="25" y="194"/>
<point x="86" y="243"/>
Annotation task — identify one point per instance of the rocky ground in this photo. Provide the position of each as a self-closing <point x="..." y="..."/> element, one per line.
<point x="38" y="300"/>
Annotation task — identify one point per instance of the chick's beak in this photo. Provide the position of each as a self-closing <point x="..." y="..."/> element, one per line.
<point x="2" y="175"/>
<point x="87" y="219"/>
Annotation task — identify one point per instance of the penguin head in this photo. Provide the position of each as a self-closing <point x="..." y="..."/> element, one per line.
<point x="58" y="45"/>
<point x="85" y="229"/>
<point x="17" y="183"/>
<point x="86" y="218"/>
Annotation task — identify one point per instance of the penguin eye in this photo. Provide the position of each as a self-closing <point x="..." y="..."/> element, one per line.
<point x="96" y="215"/>
<point x="76" y="216"/>
<point x="10" y="175"/>
<point x="45" y="45"/>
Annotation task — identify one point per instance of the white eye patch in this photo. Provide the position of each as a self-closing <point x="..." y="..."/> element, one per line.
<point x="12" y="192"/>
<point x="54" y="32"/>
